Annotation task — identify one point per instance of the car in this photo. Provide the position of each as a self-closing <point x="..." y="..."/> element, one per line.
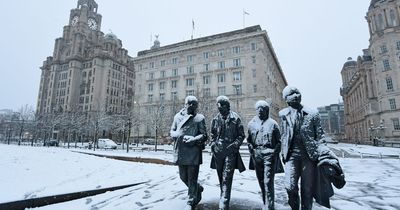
<point x="329" y="140"/>
<point x="106" y="144"/>
<point x="51" y="143"/>
<point x="150" y="141"/>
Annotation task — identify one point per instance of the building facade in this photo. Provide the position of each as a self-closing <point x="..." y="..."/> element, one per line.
<point x="88" y="71"/>
<point x="371" y="86"/>
<point x="240" y="64"/>
<point x="332" y="120"/>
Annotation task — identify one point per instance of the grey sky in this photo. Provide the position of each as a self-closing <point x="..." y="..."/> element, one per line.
<point x="312" y="38"/>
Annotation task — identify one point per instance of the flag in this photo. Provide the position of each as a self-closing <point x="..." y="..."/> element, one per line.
<point x="245" y="13"/>
<point x="193" y="24"/>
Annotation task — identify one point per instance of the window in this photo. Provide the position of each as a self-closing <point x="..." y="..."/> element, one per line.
<point x="236" y="49"/>
<point x="254" y="88"/>
<point x="174" y="60"/>
<point x="174" y="95"/>
<point x="221" y="78"/>
<point x="206" y="79"/>
<point x="393" y="20"/>
<point x="162" y="74"/>
<point x="174" y="72"/>
<point x="236" y="62"/>
<point x="383" y="49"/>
<point x="150" y="98"/>
<point x="221" y="64"/>
<point x="173" y="84"/>
<point x="190" y="82"/>
<point x="253" y="59"/>
<point x="162" y="85"/>
<point x="392" y="103"/>
<point x="237" y="89"/>
<point x="206" y="67"/>
<point x="162" y="63"/>
<point x="190" y="69"/>
<point x="206" y="92"/>
<point x="253" y="46"/>
<point x="386" y="65"/>
<point x="150" y="87"/>
<point x="190" y="93"/>
<point x="206" y="55"/>
<point x="396" y="124"/>
<point x="237" y="76"/>
<point x="220" y="52"/>
<point x="380" y="22"/>
<point x="254" y="72"/>
<point x="162" y="96"/>
<point x="189" y="58"/>
<point x="221" y="90"/>
<point x="151" y="65"/>
<point x="151" y="75"/>
<point x="389" y="84"/>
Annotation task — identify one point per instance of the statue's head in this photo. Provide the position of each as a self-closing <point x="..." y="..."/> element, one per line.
<point x="262" y="109"/>
<point x="224" y="105"/>
<point x="191" y="105"/>
<point x="292" y="96"/>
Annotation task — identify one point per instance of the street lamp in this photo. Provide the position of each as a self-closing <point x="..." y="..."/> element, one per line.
<point x="381" y="129"/>
<point x="237" y="92"/>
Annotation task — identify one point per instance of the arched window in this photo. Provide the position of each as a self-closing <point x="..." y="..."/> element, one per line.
<point x="380" y="22"/>
<point x="393" y="19"/>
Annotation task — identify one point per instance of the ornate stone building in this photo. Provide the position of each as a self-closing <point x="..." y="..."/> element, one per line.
<point x="240" y="64"/>
<point x="89" y="71"/>
<point x="371" y="86"/>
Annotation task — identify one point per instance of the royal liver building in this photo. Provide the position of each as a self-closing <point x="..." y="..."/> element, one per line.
<point x="371" y="85"/>
<point x="89" y="71"/>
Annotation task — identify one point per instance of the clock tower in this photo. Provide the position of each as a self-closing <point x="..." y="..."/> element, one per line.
<point x="88" y="71"/>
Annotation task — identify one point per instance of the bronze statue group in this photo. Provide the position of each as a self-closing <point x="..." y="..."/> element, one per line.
<point x="296" y="140"/>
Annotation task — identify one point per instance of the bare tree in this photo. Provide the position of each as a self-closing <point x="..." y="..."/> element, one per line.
<point x="25" y="115"/>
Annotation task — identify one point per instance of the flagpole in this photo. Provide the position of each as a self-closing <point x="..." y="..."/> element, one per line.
<point x="192" y="28"/>
<point x="243" y="19"/>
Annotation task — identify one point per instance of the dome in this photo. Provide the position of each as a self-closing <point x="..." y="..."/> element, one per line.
<point x="350" y="63"/>
<point x="111" y="36"/>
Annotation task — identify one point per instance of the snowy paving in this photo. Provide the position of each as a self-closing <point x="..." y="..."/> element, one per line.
<point x="29" y="172"/>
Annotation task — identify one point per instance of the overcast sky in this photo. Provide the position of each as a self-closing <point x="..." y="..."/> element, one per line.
<point x="312" y="38"/>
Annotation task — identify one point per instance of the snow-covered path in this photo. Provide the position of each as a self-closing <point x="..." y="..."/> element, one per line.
<point x="28" y="172"/>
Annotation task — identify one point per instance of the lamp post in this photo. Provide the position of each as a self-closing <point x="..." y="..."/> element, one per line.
<point x="237" y="96"/>
<point x="129" y="134"/>
<point x="381" y="129"/>
<point x="371" y="134"/>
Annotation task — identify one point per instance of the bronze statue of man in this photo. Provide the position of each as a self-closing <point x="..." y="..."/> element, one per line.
<point x="189" y="134"/>
<point x="227" y="135"/>
<point x="300" y="134"/>
<point x="264" y="145"/>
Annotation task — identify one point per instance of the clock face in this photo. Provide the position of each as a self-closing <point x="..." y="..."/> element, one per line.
<point x="92" y="23"/>
<point x="74" y="21"/>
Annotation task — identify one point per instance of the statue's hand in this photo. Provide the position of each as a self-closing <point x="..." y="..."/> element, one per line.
<point x="251" y="148"/>
<point x="189" y="139"/>
<point x="215" y="148"/>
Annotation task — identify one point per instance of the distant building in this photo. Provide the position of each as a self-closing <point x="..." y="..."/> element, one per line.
<point x="88" y="71"/>
<point x="371" y="85"/>
<point x="332" y="120"/>
<point x="240" y="64"/>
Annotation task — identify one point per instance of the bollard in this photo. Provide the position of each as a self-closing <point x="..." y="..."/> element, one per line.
<point x="361" y="155"/>
<point x="380" y="155"/>
<point x="343" y="154"/>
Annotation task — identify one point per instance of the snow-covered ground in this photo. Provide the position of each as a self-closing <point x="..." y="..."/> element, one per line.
<point x="29" y="172"/>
